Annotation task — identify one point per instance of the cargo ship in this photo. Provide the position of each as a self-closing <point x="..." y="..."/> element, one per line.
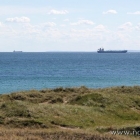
<point x="17" y="51"/>
<point x="101" y="50"/>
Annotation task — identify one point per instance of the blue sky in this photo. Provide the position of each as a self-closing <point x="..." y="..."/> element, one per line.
<point x="69" y="25"/>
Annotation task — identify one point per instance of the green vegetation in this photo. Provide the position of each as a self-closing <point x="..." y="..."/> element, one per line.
<point x="82" y="111"/>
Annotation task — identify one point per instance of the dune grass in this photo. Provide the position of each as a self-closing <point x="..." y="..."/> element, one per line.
<point x="79" y="110"/>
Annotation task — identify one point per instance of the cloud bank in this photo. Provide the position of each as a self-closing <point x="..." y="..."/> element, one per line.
<point x="18" y="19"/>
<point x="110" y="12"/>
<point x="85" y="22"/>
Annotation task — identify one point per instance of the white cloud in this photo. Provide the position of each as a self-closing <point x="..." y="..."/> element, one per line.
<point x="137" y="27"/>
<point x="39" y="29"/>
<point x="89" y="34"/>
<point x="126" y="26"/>
<point x="86" y="22"/>
<point x="18" y="19"/>
<point x="134" y="13"/>
<point x="110" y="12"/>
<point x="1" y="24"/>
<point x="100" y="28"/>
<point x="49" y="24"/>
<point x="30" y="29"/>
<point x="56" y="12"/>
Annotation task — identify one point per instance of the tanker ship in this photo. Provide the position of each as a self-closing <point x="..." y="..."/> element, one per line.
<point x="101" y="50"/>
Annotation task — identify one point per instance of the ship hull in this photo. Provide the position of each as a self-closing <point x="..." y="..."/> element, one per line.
<point x="123" y="51"/>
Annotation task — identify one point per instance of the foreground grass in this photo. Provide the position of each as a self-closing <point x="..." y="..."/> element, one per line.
<point x="70" y="113"/>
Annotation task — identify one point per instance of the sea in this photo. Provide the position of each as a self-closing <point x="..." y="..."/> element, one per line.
<point x="40" y="70"/>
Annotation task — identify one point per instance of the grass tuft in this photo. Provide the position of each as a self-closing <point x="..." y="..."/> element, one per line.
<point x="72" y="109"/>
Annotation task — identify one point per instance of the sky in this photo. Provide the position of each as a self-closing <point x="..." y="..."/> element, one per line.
<point x="69" y="25"/>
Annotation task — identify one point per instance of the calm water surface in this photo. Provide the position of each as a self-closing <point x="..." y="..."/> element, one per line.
<point x="24" y="71"/>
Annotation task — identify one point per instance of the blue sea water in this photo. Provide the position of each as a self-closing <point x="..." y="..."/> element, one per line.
<point x="25" y="71"/>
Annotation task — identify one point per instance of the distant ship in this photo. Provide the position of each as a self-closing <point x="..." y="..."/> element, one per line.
<point x="17" y="51"/>
<point x="101" y="50"/>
